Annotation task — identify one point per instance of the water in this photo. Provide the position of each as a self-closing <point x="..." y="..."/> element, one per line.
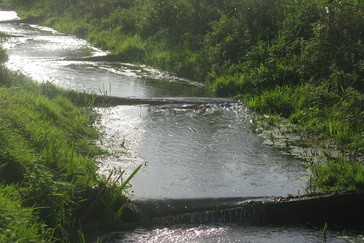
<point x="188" y="151"/>
<point x="229" y="233"/>
<point x="203" y="151"/>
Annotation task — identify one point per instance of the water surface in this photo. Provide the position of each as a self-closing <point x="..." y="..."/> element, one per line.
<point x="231" y="233"/>
<point x="197" y="151"/>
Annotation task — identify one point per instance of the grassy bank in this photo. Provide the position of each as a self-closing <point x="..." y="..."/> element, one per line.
<point x="298" y="60"/>
<point x="49" y="186"/>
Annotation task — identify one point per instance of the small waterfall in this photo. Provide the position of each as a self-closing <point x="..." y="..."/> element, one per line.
<point x="233" y="215"/>
<point x="204" y="211"/>
<point x="250" y="213"/>
<point x="344" y="210"/>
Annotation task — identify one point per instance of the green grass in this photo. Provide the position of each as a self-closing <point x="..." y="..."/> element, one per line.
<point x="19" y="223"/>
<point x="335" y="175"/>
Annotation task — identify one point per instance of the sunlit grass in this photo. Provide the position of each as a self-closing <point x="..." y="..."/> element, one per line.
<point x="18" y="223"/>
<point x="336" y="175"/>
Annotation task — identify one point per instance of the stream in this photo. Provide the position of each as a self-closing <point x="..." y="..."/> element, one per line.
<point x="200" y="149"/>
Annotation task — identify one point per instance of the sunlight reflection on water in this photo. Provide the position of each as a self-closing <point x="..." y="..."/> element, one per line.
<point x="8" y="15"/>
<point x="196" y="152"/>
<point x="230" y="233"/>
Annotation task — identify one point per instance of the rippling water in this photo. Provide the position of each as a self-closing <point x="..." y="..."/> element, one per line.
<point x="198" y="151"/>
<point x="230" y="233"/>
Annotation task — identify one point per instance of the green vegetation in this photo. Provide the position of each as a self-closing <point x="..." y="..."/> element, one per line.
<point x="6" y="4"/>
<point x="49" y="186"/>
<point x="298" y="60"/>
<point x="18" y="223"/>
<point x="337" y="175"/>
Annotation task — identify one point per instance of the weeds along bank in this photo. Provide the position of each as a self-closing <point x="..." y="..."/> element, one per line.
<point x="49" y="188"/>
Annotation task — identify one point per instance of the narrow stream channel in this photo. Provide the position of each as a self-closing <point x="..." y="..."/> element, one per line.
<point x="188" y="151"/>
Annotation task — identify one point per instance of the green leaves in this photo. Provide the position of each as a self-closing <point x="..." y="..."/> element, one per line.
<point x="122" y="187"/>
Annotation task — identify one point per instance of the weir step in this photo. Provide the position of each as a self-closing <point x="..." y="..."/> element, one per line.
<point x="343" y="210"/>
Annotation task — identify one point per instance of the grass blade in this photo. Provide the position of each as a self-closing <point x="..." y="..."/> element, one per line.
<point x="119" y="191"/>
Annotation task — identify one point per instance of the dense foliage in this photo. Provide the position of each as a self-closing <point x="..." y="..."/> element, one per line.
<point x="236" y="45"/>
<point x="297" y="59"/>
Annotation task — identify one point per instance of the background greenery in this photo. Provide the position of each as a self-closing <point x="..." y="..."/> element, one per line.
<point x="236" y="45"/>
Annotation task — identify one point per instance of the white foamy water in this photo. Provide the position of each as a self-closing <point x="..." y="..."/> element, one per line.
<point x="8" y="15"/>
